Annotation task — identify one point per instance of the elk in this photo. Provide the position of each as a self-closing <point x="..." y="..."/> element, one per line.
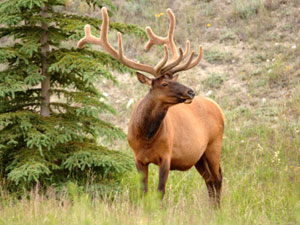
<point x="170" y="127"/>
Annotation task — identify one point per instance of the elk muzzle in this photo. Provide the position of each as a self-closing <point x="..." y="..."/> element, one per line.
<point x="191" y="94"/>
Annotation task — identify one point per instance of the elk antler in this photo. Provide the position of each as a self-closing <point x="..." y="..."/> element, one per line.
<point x="104" y="43"/>
<point x="173" y="66"/>
<point x="162" y="67"/>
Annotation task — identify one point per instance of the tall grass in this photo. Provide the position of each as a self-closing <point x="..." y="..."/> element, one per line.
<point x="261" y="186"/>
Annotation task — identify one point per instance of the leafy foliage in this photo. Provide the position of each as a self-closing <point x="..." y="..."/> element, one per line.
<point x="37" y="149"/>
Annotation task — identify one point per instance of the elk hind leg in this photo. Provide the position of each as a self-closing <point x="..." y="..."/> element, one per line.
<point x="213" y="157"/>
<point x="203" y="169"/>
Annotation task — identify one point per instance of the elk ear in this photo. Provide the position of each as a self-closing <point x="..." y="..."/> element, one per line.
<point x="175" y="77"/>
<point x="143" y="79"/>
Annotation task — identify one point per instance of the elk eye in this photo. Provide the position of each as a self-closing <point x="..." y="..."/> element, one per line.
<point x="164" y="84"/>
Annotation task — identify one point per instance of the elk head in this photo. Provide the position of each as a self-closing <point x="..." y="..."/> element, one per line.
<point x="167" y="90"/>
<point x="164" y="84"/>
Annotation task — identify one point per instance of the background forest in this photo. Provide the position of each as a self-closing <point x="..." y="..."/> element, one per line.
<point x="72" y="164"/>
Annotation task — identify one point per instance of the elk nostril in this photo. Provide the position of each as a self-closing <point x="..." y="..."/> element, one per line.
<point x="191" y="93"/>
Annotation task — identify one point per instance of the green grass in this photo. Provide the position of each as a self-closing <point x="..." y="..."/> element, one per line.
<point x="215" y="56"/>
<point x="214" y="81"/>
<point x="261" y="185"/>
<point x="247" y="8"/>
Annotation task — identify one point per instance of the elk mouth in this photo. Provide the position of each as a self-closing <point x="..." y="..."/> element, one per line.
<point x="186" y="100"/>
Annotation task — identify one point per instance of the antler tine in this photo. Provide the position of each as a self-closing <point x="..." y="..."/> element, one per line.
<point x="88" y="38"/>
<point x="104" y="33"/>
<point x="171" y="34"/>
<point x="189" y="64"/>
<point x="102" y="41"/>
<point x="174" y="63"/>
<point x="160" y="65"/>
<point x="169" y="40"/>
<point x="187" y="49"/>
<point x="185" y="54"/>
<point x="120" y="43"/>
<point x="153" y="39"/>
<point x="183" y="66"/>
<point x="197" y="60"/>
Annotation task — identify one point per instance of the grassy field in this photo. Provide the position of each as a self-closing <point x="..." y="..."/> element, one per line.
<point x="251" y="67"/>
<point x="261" y="186"/>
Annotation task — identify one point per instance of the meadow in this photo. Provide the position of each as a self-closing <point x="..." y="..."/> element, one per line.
<point x="260" y="186"/>
<point x="251" y="67"/>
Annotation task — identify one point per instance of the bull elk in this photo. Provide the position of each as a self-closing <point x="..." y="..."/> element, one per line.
<point x="163" y="131"/>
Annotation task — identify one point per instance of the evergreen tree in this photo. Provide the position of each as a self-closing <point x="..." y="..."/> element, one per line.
<point x="44" y="140"/>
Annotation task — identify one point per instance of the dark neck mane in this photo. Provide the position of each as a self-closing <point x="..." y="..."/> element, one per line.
<point x="151" y="114"/>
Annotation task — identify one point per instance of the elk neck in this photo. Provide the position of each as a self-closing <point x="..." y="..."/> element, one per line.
<point x="151" y="113"/>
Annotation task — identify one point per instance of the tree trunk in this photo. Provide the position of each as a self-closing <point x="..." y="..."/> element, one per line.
<point x="45" y="103"/>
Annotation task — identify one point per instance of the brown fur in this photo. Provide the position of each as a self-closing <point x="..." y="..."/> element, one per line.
<point x="187" y="135"/>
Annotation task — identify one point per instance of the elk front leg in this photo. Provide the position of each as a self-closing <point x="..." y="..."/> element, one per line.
<point x="164" y="168"/>
<point x="143" y="169"/>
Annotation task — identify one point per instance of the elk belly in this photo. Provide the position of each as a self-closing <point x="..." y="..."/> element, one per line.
<point x="184" y="157"/>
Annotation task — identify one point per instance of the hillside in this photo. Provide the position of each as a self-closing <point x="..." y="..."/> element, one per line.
<point x="251" y="55"/>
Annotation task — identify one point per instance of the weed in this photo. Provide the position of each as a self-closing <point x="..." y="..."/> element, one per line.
<point x="214" y="81"/>
<point x="278" y="72"/>
<point x="228" y="36"/>
<point x="215" y="56"/>
<point x="247" y="8"/>
<point x="257" y="58"/>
